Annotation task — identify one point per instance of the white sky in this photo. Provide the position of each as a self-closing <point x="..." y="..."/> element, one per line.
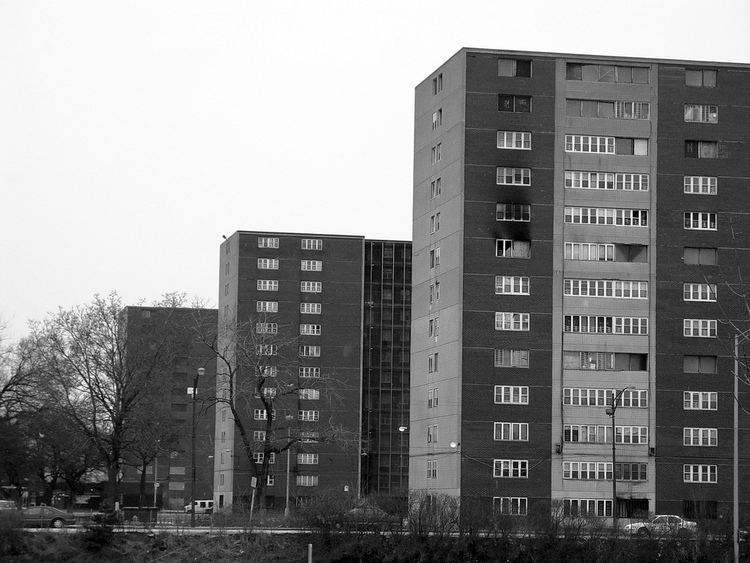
<point x="133" y="134"/>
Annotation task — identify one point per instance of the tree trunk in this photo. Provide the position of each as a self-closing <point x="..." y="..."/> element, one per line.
<point x="113" y="470"/>
<point x="142" y="488"/>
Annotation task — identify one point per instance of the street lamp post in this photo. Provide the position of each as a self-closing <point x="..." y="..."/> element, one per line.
<point x="611" y="412"/>
<point x="198" y="374"/>
<point x="289" y="419"/>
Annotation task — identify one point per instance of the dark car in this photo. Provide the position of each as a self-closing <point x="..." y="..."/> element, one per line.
<point x="46" y="517"/>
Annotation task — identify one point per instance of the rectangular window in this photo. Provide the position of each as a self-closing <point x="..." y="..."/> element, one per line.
<point x="700" y="256"/>
<point x="590" y="324"/>
<point x="309" y="394"/>
<point x="699" y="473"/>
<point x="506" y="248"/>
<point x="510" y="506"/>
<point x="585" y="397"/>
<point x="432" y="363"/>
<point x="436" y="188"/>
<point x="701" y="113"/>
<point x="587" y="470"/>
<point x="266" y="328"/>
<point x="699" y="292"/>
<point x="699" y="364"/>
<point x="589" y="144"/>
<point x="701" y="185"/>
<point x="510" y="468"/>
<point x="435" y="222"/>
<point x="699" y="436"/>
<point x="309" y="437"/>
<point x="507" y="358"/>
<point x="309" y="330"/>
<point x="589" y="251"/>
<point x="699" y="328"/>
<point x="433" y="327"/>
<point x="307" y="480"/>
<point x="262" y="414"/>
<point x="309" y="351"/>
<point x="631" y="434"/>
<point x="632" y="110"/>
<point x="266" y="349"/>
<point x="312" y="244"/>
<point x="511" y="395"/>
<point x="607" y="109"/>
<point x="268" y="371"/>
<point x="268" y="242"/>
<point x="700" y="400"/>
<point x="437" y="84"/>
<point x="513" y="176"/>
<point x="700" y="77"/>
<point x="267" y="306"/>
<point x="580" y="179"/>
<point x="703" y="149"/>
<point x="587" y="433"/>
<point x="436" y="153"/>
<point x="512" y="321"/>
<point x="437" y="118"/>
<point x="513" y="212"/>
<point x="630" y="146"/>
<point x="434" y="292"/>
<point x="606" y="288"/>
<point x="259" y="435"/>
<point x="434" y="258"/>
<point x="310" y="308"/>
<point x="432" y="469"/>
<point x="258" y="457"/>
<point x="513" y="103"/>
<point x="309" y="372"/>
<point x="432" y="433"/>
<point x="308" y="415"/>
<point x="514" y="140"/>
<point x="606" y="216"/>
<point x="511" y="285"/>
<point x="270" y="480"/>
<point x="586" y="507"/>
<point x="433" y="398"/>
<point x="311" y="287"/>
<point x="512" y="431"/>
<point x="268" y="263"/>
<point x="311" y="265"/>
<point x="700" y="221"/>
<point x="307" y="459"/>
<point x="514" y="67"/>
<point x="607" y="73"/>
<point x="267" y="285"/>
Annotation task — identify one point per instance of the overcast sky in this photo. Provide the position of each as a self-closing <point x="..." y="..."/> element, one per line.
<point x="133" y="134"/>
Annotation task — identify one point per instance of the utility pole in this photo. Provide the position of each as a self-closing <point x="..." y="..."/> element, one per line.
<point x="198" y="374"/>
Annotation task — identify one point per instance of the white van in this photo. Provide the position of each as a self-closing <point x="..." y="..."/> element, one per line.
<point x="201" y="507"/>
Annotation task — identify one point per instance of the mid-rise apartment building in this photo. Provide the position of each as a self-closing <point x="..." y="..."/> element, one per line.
<point x="581" y="232"/>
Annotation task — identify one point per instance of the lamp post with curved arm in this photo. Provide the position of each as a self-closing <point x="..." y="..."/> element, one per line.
<point x="611" y="410"/>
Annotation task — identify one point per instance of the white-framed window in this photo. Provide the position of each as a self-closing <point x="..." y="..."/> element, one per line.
<point x="268" y="371"/>
<point x="258" y="457"/>
<point x="437" y="118"/>
<point x="269" y="392"/>
<point x="510" y="506"/>
<point x="590" y="251"/>
<point x="586" y="397"/>
<point x="699" y="292"/>
<point x="432" y="468"/>
<point x="432" y="363"/>
<point x="434" y="292"/>
<point x="631" y="434"/>
<point x="435" y="222"/>
<point x="606" y="216"/>
<point x="512" y="321"/>
<point x="306" y="351"/>
<point x="705" y="77"/>
<point x="259" y="435"/>
<point x="514" y="140"/>
<point x="309" y="394"/>
<point x="621" y="289"/>
<point x="587" y="507"/>
<point x="433" y="327"/>
<point x="594" y="324"/>
<point x="632" y="110"/>
<point x="309" y="436"/>
<point x="309" y="330"/>
<point x="268" y="263"/>
<point x="511" y="285"/>
<point x="507" y="358"/>
<point x="699" y="328"/>
<point x="262" y="414"/>
<point x="312" y="244"/>
<point x="307" y="480"/>
<point x="589" y="360"/>
<point x="310" y="308"/>
<point x="589" y="144"/>
<point x="268" y="242"/>
<point x="512" y="431"/>
<point x="510" y="468"/>
<point x="435" y="257"/>
<point x="587" y="470"/>
<point x="437" y="84"/>
<point x="266" y="349"/>
<point x="514" y="103"/>
<point x="701" y="113"/>
<point x="699" y="436"/>
<point x="586" y="180"/>
<point x="704" y="149"/>
<point x="267" y="306"/>
<point x="270" y="480"/>
<point x="308" y="415"/>
<point x="266" y="328"/>
<point x="514" y="67"/>
<point x="311" y="265"/>
<point x="508" y="248"/>
<point x="699" y="473"/>
<point x="587" y="433"/>
<point x="433" y="398"/>
<point x="432" y="433"/>
<point x="309" y="372"/>
<point x="701" y="185"/>
<point x="511" y="395"/>
<point x="311" y="286"/>
<point x="307" y="459"/>
<point x="435" y="154"/>
<point x="513" y="176"/>
<point x="700" y="221"/>
<point x="436" y="188"/>
<point x="700" y="400"/>
<point x="513" y="212"/>
<point x="267" y="285"/>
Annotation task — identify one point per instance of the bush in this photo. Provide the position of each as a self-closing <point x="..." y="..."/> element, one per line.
<point x="11" y="535"/>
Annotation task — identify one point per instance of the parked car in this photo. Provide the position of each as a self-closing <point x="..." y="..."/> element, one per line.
<point x="371" y="516"/>
<point x="46" y="517"/>
<point x="662" y="525"/>
<point x="201" y="507"/>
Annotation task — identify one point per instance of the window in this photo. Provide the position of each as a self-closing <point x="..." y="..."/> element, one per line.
<point x="433" y="398"/>
<point x="699" y="292"/>
<point x="434" y="292"/>
<point x="435" y="154"/>
<point x="309" y="351"/>
<point x="700" y="509"/>
<point x="589" y="251"/>
<point x="309" y="394"/>
<point x="700" y="221"/>
<point x="587" y="433"/>
<point x="308" y="415"/>
<point x="699" y="328"/>
<point x="266" y="328"/>
<point x="432" y="433"/>
<point x="266" y="349"/>
<point x="506" y="248"/>
<point x="513" y="212"/>
<point x="700" y="77"/>
<point x="512" y="321"/>
<point x="701" y="113"/>
<point x="589" y="360"/>
<point x="268" y="263"/>
<point x="267" y="306"/>
<point x="434" y="258"/>
<point x="436" y="188"/>
<point x="311" y="287"/>
<point x="514" y="67"/>
<point x="312" y="244"/>
<point x="435" y="222"/>
<point x="511" y="395"/>
<point x="587" y="470"/>
<point x="268" y="242"/>
<point x="437" y="84"/>
<point x="432" y="468"/>
<point x="584" y="397"/>
<point x="607" y="109"/>
<point x="270" y="480"/>
<point x="310" y="308"/>
<point x="309" y="330"/>
<point x="631" y="434"/>
<point x="433" y="327"/>
<point x="607" y="73"/>
<point x="268" y="371"/>
<point x="262" y="414"/>
<point x="309" y="372"/>
<point x="704" y="149"/>
<point x="511" y="468"/>
<point x="507" y="358"/>
<point x="267" y="285"/>
<point x="311" y="265"/>
<point x="259" y="435"/>
<point x="588" y="143"/>
<point x="699" y="473"/>
<point x="700" y="256"/>
<point x="701" y="185"/>
<point x="579" y="179"/>
<point x="626" y="145"/>
<point x="587" y="507"/>
<point x="606" y="216"/>
<point x="514" y="140"/>
<point x="307" y="480"/>
<point x="606" y="288"/>
<point x="432" y="363"/>
<point x="511" y="285"/>
<point x="512" y="431"/>
<point x="307" y="459"/>
<point x="513" y="176"/>
<point x="699" y="364"/>
<point x="631" y="471"/>
<point x="632" y="110"/>
<point x="700" y="400"/>
<point x="258" y="457"/>
<point x="309" y="437"/>
<point x="699" y="436"/>
<point x="517" y="104"/>
<point x="510" y="506"/>
<point x="437" y="118"/>
<point x="590" y="324"/>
